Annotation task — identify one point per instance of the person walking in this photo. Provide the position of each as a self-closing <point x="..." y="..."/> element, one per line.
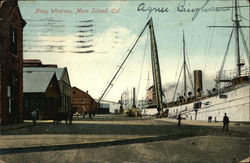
<point x="210" y="119"/>
<point x="225" y="122"/>
<point x="70" y="116"/>
<point x="179" y="119"/>
<point x="33" y="115"/>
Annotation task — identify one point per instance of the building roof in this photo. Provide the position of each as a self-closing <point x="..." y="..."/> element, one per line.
<point x="36" y="82"/>
<point x="58" y="71"/>
<point x="7" y="10"/>
<point x="86" y="93"/>
<point x="78" y="89"/>
<point x="36" y="63"/>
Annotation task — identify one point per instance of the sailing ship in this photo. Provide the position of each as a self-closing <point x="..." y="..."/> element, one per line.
<point x="230" y="94"/>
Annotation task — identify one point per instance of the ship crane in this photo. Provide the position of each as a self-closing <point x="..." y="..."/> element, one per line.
<point x="155" y="68"/>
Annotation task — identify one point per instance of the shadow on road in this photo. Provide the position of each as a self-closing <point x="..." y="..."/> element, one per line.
<point x="162" y="128"/>
<point x="177" y="133"/>
<point x="175" y="136"/>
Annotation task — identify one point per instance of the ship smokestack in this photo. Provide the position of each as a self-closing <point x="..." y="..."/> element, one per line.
<point x="198" y="83"/>
<point x="133" y="98"/>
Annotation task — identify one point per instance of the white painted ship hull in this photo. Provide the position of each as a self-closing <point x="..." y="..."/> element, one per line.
<point x="236" y="105"/>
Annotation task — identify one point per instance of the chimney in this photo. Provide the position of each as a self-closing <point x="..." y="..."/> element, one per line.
<point x="134" y="98"/>
<point x="198" y="83"/>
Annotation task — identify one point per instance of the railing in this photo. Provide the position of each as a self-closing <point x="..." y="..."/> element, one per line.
<point x="231" y="74"/>
<point x="245" y="71"/>
<point x="226" y="75"/>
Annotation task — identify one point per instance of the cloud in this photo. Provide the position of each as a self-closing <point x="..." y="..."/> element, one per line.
<point x="92" y="71"/>
<point x="118" y="4"/>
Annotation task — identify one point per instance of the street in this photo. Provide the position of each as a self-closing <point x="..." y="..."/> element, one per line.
<point x="114" y="138"/>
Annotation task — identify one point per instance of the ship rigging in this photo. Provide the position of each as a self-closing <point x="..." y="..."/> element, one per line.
<point x="232" y="97"/>
<point x="237" y="30"/>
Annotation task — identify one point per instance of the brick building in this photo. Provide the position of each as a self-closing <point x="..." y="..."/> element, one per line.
<point x="82" y="101"/>
<point x="11" y="59"/>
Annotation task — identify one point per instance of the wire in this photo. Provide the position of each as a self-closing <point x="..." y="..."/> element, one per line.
<point x="232" y="10"/>
<point x="130" y="51"/>
<point x="138" y="90"/>
<point x="175" y="80"/>
<point x="177" y="83"/>
<point x="224" y="59"/>
<point x="188" y="71"/>
<point x="190" y="79"/>
<point x="245" y="46"/>
<point x="209" y="46"/>
<point x="244" y="18"/>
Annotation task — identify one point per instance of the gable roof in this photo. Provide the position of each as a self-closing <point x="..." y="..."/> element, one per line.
<point x="81" y="91"/>
<point x="78" y="89"/>
<point x="59" y="71"/>
<point x="36" y="82"/>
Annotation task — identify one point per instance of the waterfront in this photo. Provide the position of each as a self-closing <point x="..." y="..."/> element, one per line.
<point x="114" y="138"/>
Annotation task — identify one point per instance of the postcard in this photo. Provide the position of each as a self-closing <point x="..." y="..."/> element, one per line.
<point x="124" y="81"/>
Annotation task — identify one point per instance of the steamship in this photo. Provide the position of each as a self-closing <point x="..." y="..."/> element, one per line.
<point x="232" y="100"/>
<point x="231" y="92"/>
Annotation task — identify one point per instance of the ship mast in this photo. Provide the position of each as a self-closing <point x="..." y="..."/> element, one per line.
<point x="236" y="26"/>
<point x="184" y="67"/>
<point x="185" y="70"/>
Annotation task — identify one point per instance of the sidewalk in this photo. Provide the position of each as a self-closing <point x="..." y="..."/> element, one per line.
<point x="26" y="123"/>
<point x="233" y="126"/>
<point x="204" y="123"/>
<point x="191" y="122"/>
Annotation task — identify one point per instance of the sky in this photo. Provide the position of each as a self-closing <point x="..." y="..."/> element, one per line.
<point x="91" y="39"/>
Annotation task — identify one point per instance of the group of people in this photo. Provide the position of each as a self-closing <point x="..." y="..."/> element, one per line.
<point x="225" y="121"/>
<point x="67" y="116"/>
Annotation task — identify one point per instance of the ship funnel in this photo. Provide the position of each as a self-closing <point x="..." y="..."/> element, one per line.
<point x="198" y="83"/>
<point x="133" y="105"/>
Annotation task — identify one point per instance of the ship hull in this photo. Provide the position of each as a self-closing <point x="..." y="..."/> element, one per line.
<point x="234" y="102"/>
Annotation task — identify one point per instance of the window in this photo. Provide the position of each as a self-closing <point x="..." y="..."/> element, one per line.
<point x="223" y="96"/>
<point x="207" y="103"/>
<point x="9" y="97"/>
<point x="13" y="40"/>
<point x="12" y="92"/>
<point x="197" y="105"/>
